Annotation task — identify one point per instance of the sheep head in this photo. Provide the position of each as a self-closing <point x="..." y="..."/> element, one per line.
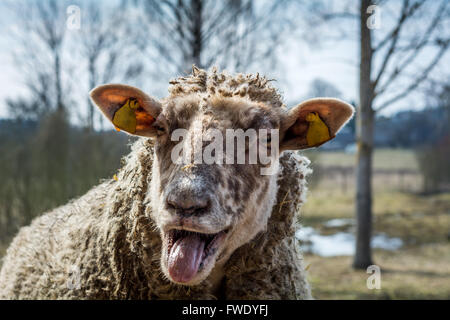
<point x="211" y="192"/>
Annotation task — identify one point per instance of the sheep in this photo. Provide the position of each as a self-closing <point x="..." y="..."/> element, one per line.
<point x="167" y="230"/>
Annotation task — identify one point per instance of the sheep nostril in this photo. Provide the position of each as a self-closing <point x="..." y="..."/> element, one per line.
<point x="188" y="206"/>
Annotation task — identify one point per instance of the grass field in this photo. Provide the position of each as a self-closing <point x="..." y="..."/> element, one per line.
<point x="419" y="270"/>
<point x="383" y="159"/>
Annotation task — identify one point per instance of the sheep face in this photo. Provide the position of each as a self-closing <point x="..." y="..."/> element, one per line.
<point x="203" y="210"/>
<point x="208" y="193"/>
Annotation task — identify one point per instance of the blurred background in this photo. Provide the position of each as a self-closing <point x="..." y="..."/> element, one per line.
<point x="380" y="191"/>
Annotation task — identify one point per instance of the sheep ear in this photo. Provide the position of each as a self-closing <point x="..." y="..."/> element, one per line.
<point x="128" y="108"/>
<point x="313" y="122"/>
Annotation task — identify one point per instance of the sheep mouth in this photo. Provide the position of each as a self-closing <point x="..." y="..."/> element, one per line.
<point x="188" y="252"/>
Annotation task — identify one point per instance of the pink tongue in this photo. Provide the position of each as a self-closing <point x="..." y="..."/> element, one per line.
<point x="185" y="257"/>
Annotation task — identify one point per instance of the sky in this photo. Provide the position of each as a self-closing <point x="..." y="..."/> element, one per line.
<point x="299" y="64"/>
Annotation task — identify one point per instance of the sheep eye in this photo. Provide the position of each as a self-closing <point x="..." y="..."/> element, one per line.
<point x="159" y="129"/>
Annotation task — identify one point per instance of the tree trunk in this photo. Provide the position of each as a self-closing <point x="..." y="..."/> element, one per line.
<point x="92" y="83"/>
<point x="58" y="87"/>
<point x="197" y="23"/>
<point x="364" y="136"/>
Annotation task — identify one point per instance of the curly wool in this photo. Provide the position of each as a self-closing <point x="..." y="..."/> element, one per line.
<point x="104" y="246"/>
<point x="255" y="88"/>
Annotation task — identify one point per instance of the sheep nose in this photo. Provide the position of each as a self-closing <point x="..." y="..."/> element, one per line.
<point x="187" y="205"/>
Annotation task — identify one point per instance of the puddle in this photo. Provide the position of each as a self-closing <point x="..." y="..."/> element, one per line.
<point x="341" y="243"/>
<point x="336" y="223"/>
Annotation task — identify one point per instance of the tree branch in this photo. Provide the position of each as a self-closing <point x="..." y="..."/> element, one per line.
<point x="415" y="49"/>
<point x="406" y="13"/>
<point x="419" y="80"/>
<point x="393" y="37"/>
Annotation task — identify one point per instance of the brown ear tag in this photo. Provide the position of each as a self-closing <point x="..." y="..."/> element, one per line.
<point x="125" y="116"/>
<point x="318" y="131"/>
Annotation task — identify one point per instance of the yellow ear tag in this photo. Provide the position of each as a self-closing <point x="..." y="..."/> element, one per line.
<point x="318" y="132"/>
<point x="125" y="117"/>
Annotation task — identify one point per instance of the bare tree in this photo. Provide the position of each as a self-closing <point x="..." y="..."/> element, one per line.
<point x="40" y="162"/>
<point x="390" y="68"/>
<point x="433" y="158"/>
<point x="106" y="44"/>
<point x="230" y="33"/>
<point x="378" y="90"/>
<point x="40" y="34"/>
